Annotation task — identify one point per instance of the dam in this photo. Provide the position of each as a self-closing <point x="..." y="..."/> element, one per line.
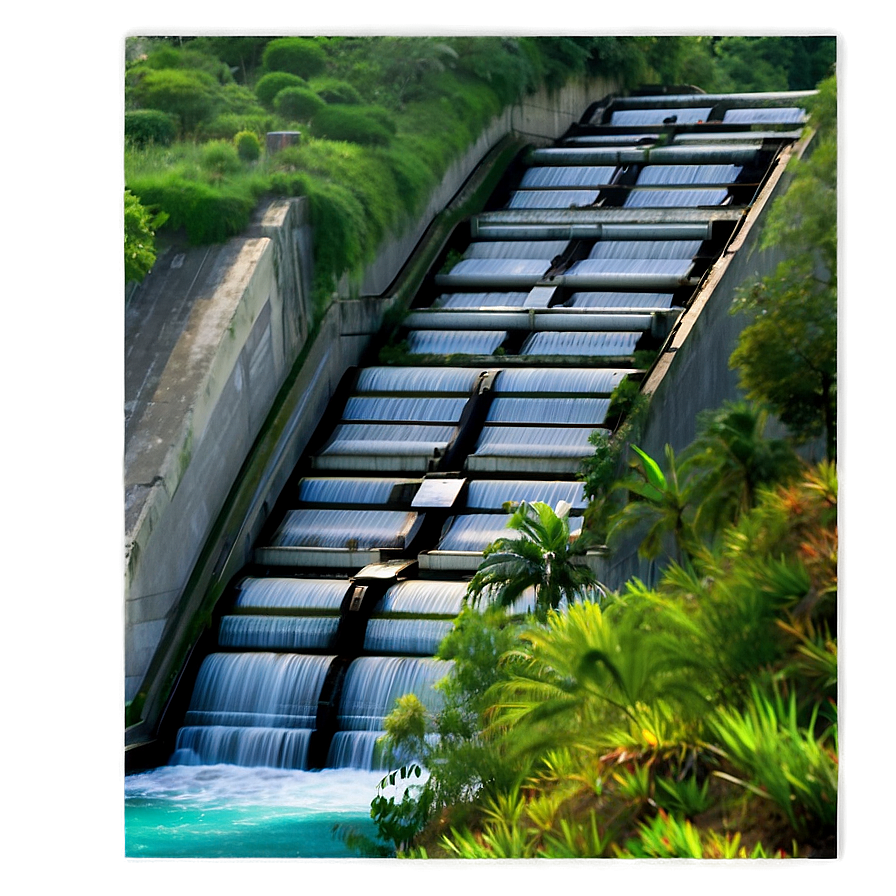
<point x="611" y="254"/>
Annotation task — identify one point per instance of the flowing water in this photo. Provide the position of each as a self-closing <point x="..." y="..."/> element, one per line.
<point x="224" y="811"/>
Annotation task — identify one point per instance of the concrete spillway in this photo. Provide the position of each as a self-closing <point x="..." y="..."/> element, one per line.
<point x="511" y="358"/>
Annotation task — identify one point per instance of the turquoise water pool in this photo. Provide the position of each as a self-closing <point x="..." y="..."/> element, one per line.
<point x="225" y="811"/>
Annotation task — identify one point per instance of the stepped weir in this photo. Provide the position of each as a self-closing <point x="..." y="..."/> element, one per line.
<point x="509" y="358"/>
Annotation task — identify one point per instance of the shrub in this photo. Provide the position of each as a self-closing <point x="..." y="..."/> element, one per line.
<point x="220" y="158"/>
<point x="248" y="146"/>
<point x="336" y="92"/>
<point x="207" y="213"/>
<point x="299" y="55"/>
<point x="167" y="57"/>
<point x="298" y="103"/>
<point x="228" y="124"/>
<point x="190" y="95"/>
<point x="139" y="238"/>
<point x="355" y="124"/>
<point x="271" y="84"/>
<point x="145" y="126"/>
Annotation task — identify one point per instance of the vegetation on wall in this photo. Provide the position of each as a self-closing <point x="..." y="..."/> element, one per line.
<point x="787" y="355"/>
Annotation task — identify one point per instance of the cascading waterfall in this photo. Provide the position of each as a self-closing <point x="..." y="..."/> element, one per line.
<point x="539" y="249"/>
<point x="559" y="381"/>
<point x="619" y="344"/>
<point x="430" y="410"/>
<point x="372" y="684"/>
<point x="279" y="632"/>
<point x="492" y="494"/>
<point x="680" y="175"/>
<point x="549" y="411"/>
<point x="645" y="249"/>
<point x="418" y="637"/>
<point x="650" y="117"/>
<point x="417" y="380"/>
<point x="358" y="529"/>
<point x="385" y="439"/>
<point x="454" y="342"/>
<point x="567" y="176"/>
<point x="553" y="198"/>
<point x="253" y="709"/>
<point x="777" y="115"/>
<point x="483" y="301"/>
<point x="349" y="490"/>
<point x="291" y="594"/>
<point x="681" y="198"/>
<point x="278" y="671"/>
<point x="620" y="300"/>
<point x="533" y="442"/>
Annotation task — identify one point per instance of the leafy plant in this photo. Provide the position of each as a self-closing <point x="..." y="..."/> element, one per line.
<point x="272" y="83"/>
<point x="297" y="55"/>
<point x="220" y="158"/>
<point x="298" y="103"/>
<point x="140" y="225"/>
<point x="248" y="146"/>
<point x="781" y="760"/>
<point x="542" y="557"/>
<point x="146" y="126"/>
<point x="190" y="95"/>
<point x="356" y="124"/>
<point x="663" y="505"/>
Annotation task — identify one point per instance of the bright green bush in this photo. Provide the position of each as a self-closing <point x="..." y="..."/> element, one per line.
<point x="355" y="124"/>
<point x="220" y="158"/>
<point x="168" y="57"/>
<point x="139" y="238"/>
<point x="190" y="95"/>
<point x="331" y="90"/>
<point x="248" y="146"/>
<point x="228" y="124"/>
<point x="298" y="103"/>
<point x="207" y="214"/>
<point x="300" y="55"/>
<point x="271" y="84"/>
<point x="145" y="126"/>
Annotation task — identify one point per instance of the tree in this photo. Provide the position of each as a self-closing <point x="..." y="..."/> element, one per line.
<point x="664" y="504"/>
<point x="732" y="459"/>
<point x="139" y="238"/>
<point x="542" y="557"/>
<point x="787" y="355"/>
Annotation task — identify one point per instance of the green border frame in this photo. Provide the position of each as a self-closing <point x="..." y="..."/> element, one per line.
<point x="61" y="388"/>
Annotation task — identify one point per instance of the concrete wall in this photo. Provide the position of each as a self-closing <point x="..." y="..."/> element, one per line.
<point x="243" y="345"/>
<point x="692" y="373"/>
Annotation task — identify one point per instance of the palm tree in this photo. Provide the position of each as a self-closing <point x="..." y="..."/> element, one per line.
<point x="663" y="504"/>
<point x="732" y="459"/>
<point x="543" y="556"/>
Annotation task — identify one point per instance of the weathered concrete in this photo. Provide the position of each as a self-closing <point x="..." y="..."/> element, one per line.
<point x="205" y="377"/>
<point x="691" y="373"/>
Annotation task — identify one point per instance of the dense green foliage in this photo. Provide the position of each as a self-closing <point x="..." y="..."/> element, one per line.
<point x="355" y="124"/>
<point x="247" y="145"/>
<point x="269" y="85"/>
<point x="146" y="126"/>
<point x="541" y="557"/>
<point x="787" y="355"/>
<point x="298" y="103"/>
<point x="139" y="238"/>
<point x="694" y="719"/>
<point x="296" y="55"/>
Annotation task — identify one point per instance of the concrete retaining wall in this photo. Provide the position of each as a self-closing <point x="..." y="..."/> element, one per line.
<point x="241" y="347"/>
